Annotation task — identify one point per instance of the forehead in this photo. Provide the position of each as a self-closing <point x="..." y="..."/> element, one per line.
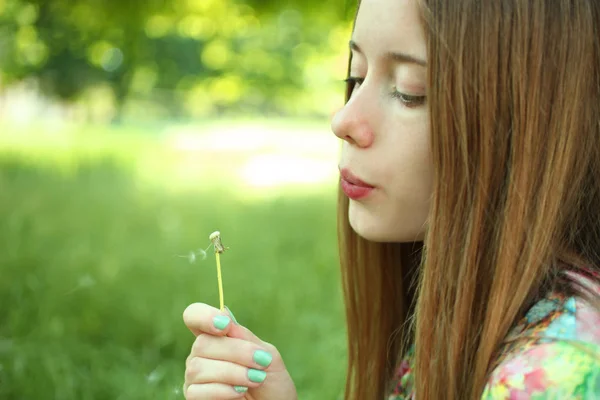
<point x="390" y="25"/>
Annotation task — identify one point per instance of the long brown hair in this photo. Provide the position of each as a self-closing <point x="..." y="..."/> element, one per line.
<point x="514" y="99"/>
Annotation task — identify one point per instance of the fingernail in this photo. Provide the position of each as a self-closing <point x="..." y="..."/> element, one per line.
<point x="232" y="316"/>
<point x="256" y="375"/>
<point x="221" y="322"/>
<point x="240" y="389"/>
<point x="262" y="358"/>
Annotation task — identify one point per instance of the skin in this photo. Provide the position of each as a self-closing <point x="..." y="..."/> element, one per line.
<point x="220" y="359"/>
<point x="385" y="124"/>
<point x="386" y="144"/>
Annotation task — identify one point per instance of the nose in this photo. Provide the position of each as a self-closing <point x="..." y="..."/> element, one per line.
<point x="350" y="123"/>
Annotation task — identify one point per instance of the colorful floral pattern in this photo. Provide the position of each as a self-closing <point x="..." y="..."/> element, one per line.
<point x="560" y="360"/>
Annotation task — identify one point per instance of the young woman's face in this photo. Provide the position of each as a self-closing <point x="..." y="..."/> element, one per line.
<point x="385" y="124"/>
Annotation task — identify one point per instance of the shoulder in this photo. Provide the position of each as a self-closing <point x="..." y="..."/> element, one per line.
<point x="561" y="359"/>
<point x="548" y="370"/>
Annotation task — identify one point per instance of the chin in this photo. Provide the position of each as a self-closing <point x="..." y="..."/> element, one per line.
<point x="376" y="228"/>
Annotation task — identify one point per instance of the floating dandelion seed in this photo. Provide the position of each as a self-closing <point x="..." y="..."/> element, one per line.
<point x="84" y="282"/>
<point x="155" y="376"/>
<point x="193" y="255"/>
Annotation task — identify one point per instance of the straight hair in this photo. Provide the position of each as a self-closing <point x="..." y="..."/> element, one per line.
<point x="514" y="100"/>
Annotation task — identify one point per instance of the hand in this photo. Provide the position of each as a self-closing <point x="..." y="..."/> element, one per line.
<point x="227" y="361"/>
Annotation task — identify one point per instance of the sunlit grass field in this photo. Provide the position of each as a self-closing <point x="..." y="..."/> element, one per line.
<point x="92" y="287"/>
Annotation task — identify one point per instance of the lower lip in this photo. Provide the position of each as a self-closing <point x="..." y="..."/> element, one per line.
<point x="355" y="192"/>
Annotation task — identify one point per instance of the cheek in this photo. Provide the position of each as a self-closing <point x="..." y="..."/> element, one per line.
<point x="411" y="175"/>
<point x="408" y="166"/>
<point x="399" y="213"/>
<point x="411" y="178"/>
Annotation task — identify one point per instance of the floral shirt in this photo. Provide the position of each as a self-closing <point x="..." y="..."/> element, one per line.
<point x="561" y="361"/>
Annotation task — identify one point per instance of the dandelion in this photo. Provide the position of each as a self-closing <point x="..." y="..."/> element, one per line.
<point x="215" y="242"/>
<point x="215" y="239"/>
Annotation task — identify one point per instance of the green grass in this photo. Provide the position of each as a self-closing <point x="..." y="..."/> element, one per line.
<point x="92" y="292"/>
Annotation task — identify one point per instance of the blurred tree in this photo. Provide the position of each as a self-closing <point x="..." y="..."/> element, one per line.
<point x="201" y="56"/>
<point x="69" y="45"/>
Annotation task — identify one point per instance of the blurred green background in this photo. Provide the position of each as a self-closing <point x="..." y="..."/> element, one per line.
<point x="129" y="131"/>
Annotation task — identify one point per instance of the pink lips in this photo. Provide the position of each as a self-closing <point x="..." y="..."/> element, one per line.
<point x="353" y="186"/>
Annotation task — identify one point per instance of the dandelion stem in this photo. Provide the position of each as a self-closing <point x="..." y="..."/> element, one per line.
<point x="215" y="238"/>
<point x="222" y="303"/>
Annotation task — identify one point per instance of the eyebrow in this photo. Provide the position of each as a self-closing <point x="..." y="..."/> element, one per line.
<point x="398" y="57"/>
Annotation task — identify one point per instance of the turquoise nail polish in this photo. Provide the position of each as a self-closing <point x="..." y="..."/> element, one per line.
<point x="232" y="316"/>
<point x="262" y="358"/>
<point x="221" y="322"/>
<point x="256" y="375"/>
<point x="240" y="389"/>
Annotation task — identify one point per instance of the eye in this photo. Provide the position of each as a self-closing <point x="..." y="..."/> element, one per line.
<point x="408" y="100"/>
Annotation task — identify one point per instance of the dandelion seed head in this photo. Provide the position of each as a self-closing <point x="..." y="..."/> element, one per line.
<point x="214" y="235"/>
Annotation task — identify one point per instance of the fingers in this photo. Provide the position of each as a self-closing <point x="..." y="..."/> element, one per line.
<point x="226" y="359"/>
<point x="203" y="370"/>
<point x="213" y="391"/>
<point x="203" y="374"/>
<point x="241" y="332"/>
<point x="234" y="350"/>
<point x="202" y="318"/>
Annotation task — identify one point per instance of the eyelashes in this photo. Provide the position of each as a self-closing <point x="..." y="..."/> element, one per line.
<point x="407" y="100"/>
<point x="353" y="81"/>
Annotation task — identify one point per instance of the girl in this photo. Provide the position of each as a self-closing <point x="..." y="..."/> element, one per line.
<point x="469" y="210"/>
